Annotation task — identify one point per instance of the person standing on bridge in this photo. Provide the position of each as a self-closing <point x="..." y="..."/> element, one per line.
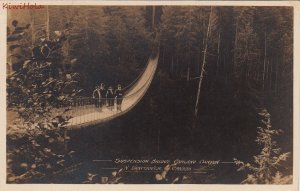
<point x="110" y="97"/>
<point x="119" y="97"/>
<point x="103" y="95"/>
<point x="97" y="96"/>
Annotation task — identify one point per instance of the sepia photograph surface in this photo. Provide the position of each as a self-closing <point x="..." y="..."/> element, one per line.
<point x="149" y="94"/>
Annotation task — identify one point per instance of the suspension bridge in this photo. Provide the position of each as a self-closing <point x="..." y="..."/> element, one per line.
<point x="86" y="114"/>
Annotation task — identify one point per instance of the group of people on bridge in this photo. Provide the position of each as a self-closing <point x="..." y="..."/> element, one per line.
<point x="108" y="98"/>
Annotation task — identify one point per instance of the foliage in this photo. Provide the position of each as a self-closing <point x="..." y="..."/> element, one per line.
<point x="266" y="166"/>
<point x="39" y="84"/>
<point x="39" y="93"/>
<point x="36" y="149"/>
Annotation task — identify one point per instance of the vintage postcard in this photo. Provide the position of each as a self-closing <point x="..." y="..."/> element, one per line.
<point x="199" y="94"/>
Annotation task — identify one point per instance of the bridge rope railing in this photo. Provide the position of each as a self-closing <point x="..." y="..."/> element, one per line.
<point x="89" y="109"/>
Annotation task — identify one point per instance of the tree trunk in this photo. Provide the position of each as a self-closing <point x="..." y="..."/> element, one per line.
<point x="153" y="17"/>
<point x="190" y="55"/>
<point x="276" y="77"/>
<point x="224" y="69"/>
<point x="265" y="57"/>
<point x="172" y="65"/>
<point x="158" y="140"/>
<point x="32" y="30"/>
<point x="218" y="53"/>
<point x="47" y="23"/>
<point x="177" y="66"/>
<point x="188" y="73"/>
<point x="68" y="44"/>
<point x="268" y="69"/>
<point x="270" y="77"/>
<point x="245" y="67"/>
<point x="235" y="44"/>
<point x="202" y="68"/>
<point x="163" y="56"/>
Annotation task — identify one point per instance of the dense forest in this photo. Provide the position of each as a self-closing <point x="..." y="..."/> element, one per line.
<point x="222" y="72"/>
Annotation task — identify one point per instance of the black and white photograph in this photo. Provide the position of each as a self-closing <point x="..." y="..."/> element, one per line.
<point x="149" y="94"/>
